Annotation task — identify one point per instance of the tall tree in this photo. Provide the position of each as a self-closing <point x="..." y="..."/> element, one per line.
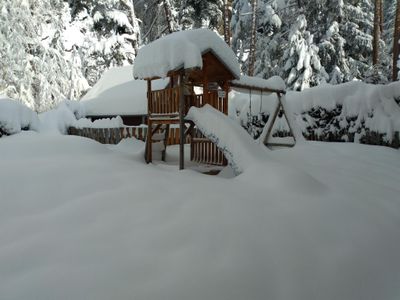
<point x="240" y="24"/>
<point x="171" y="24"/>
<point x="106" y="34"/>
<point x="227" y="31"/>
<point x="252" y="54"/>
<point x="396" y="38"/>
<point x="33" y="65"/>
<point x="378" y="25"/>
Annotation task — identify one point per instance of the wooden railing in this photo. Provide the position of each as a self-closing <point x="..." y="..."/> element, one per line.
<point x="204" y="151"/>
<point x="164" y="101"/>
<point x="219" y="103"/>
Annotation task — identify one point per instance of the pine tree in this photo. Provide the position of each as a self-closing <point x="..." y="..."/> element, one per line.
<point x="199" y="13"/>
<point x="302" y="64"/>
<point x="271" y="41"/>
<point x="396" y="38"/>
<point x="240" y="22"/>
<point x="110" y="34"/>
<point x="34" y="67"/>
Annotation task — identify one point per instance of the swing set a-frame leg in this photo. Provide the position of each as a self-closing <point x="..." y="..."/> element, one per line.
<point x="275" y="115"/>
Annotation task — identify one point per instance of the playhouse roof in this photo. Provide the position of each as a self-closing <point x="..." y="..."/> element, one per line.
<point x="117" y="93"/>
<point x="183" y="49"/>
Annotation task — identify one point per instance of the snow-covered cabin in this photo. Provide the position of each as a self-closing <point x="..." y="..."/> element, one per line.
<point x="118" y="94"/>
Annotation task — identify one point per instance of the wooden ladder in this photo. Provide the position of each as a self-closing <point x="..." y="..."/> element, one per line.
<point x="159" y="133"/>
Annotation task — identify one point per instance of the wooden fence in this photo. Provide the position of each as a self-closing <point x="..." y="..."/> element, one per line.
<point x="115" y="135"/>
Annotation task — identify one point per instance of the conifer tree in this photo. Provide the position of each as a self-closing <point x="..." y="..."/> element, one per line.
<point x="33" y="65"/>
<point x="396" y="38"/>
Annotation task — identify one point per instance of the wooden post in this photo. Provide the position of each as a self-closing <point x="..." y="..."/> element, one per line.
<point x="181" y="121"/>
<point x="205" y="90"/>
<point x="149" y="150"/>
<point x="226" y="89"/>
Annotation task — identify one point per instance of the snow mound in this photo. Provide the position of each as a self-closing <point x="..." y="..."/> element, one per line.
<point x="182" y="49"/>
<point x="15" y="116"/>
<point x="117" y="93"/>
<point x="63" y="116"/>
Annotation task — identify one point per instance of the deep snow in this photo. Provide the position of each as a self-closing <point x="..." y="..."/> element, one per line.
<point x="81" y="220"/>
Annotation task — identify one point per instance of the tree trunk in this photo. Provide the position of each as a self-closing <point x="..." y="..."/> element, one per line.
<point x="396" y="38"/>
<point x="376" y="33"/>
<point x="168" y="16"/>
<point x="252" y="54"/>
<point x="381" y="16"/>
<point x="227" y="31"/>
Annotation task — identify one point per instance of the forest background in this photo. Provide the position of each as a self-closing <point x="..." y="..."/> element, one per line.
<point x="53" y="50"/>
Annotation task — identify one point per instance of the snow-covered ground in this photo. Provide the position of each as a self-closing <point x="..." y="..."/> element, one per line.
<point x="81" y="220"/>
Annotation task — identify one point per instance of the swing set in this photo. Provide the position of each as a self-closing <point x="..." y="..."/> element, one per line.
<point x="254" y="121"/>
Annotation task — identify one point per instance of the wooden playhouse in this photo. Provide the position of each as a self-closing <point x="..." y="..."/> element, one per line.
<point x="201" y="69"/>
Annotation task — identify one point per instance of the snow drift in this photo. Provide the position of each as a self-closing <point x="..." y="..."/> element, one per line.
<point x="115" y="229"/>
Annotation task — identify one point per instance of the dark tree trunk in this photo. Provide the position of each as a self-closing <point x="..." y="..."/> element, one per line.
<point x="396" y="37"/>
<point x="168" y="16"/>
<point x="381" y="17"/>
<point x="227" y="31"/>
<point x="377" y="32"/>
<point x="252" y="54"/>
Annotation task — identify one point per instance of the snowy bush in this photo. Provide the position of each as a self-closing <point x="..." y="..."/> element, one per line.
<point x="353" y="111"/>
<point x="63" y="116"/>
<point x="15" y="117"/>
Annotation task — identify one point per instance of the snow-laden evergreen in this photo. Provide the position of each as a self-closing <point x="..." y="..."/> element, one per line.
<point x="105" y="33"/>
<point x="336" y="35"/>
<point x="33" y="65"/>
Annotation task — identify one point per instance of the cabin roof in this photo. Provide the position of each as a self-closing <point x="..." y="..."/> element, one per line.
<point x="183" y="50"/>
<point x="117" y="93"/>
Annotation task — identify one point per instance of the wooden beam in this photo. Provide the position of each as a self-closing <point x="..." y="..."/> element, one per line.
<point x="149" y="142"/>
<point x="226" y="90"/>
<point x="256" y="88"/>
<point x="182" y="80"/>
<point x="164" y="152"/>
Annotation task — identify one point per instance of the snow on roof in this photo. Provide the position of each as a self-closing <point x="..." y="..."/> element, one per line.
<point x="182" y="49"/>
<point x="117" y="93"/>
<point x="273" y="83"/>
